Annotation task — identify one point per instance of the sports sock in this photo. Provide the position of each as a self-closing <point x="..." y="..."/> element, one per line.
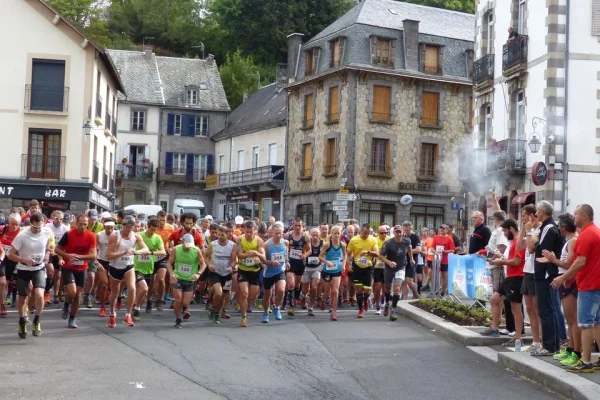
<point x="359" y="300"/>
<point x="395" y="299"/>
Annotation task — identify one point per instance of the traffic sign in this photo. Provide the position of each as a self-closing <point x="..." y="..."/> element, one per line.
<point x="340" y="208"/>
<point x="344" y="191"/>
<point x="339" y="203"/>
<point x="343" y="219"/>
<point x="346" y="197"/>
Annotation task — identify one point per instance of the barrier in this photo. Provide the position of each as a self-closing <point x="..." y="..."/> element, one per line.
<point x="435" y="285"/>
<point x="469" y="277"/>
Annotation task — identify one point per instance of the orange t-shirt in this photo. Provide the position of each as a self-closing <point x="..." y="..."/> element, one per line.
<point x="165" y="233"/>
<point x="429" y="245"/>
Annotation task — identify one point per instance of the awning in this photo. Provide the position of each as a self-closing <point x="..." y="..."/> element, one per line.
<point x="522" y="198"/>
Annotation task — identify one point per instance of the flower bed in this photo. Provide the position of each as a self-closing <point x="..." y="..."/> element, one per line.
<point x="457" y="313"/>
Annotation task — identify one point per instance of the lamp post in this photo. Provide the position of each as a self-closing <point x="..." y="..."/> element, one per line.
<point x="535" y="143"/>
<point x="87" y="128"/>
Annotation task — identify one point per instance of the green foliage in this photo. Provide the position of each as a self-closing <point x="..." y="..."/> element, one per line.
<point x="455" y="312"/>
<point x="88" y="17"/>
<point x="467" y="6"/>
<point x="239" y="75"/>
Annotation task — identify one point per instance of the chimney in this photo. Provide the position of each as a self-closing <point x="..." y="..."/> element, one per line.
<point x="294" y="41"/>
<point x="245" y="96"/>
<point x="281" y="73"/>
<point x="148" y="52"/>
<point x="411" y="43"/>
<point x="210" y="58"/>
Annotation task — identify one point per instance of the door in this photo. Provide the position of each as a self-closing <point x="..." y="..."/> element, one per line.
<point x="44" y="155"/>
<point x="240" y="160"/>
<point x="221" y="164"/>
<point x="273" y="154"/>
<point x="47" y="85"/>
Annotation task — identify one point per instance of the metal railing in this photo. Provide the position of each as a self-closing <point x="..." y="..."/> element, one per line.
<point x="96" y="173"/>
<point x="46" y="98"/>
<point x="43" y="167"/>
<point x="514" y="52"/>
<point x="141" y="172"/>
<point x="253" y="176"/>
<point x="506" y="155"/>
<point x="99" y="106"/>
<point x="483" y="69"/>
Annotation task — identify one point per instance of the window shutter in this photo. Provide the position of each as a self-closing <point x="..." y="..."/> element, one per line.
<point x="189" y="167"/>
<point x="307" y="167"/>
<point x="381" y="103"/>
<point x="334" y="48"/>
<point x="169" y="163"/>
<point x="431" y="59"/>
<point x="309" y="108"/>
<point x="374" y="59"/>
<point x="333" y="103"/>
<point x="170" y="124"/>
<point x="210" y="164"/>
<point x="192" y="125"/>
<point x="595" y="18"/>
<point x="429" y="108"/>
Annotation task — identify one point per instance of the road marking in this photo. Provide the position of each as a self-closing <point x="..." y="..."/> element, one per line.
<point x="138" y="385"/>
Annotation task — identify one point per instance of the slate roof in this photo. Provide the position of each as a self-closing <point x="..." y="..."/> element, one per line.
<point x="140" y="76"/>
<point x="263" y="109"/>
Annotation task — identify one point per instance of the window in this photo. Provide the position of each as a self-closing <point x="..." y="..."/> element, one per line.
<point x="203" y="86"/>
<point x="334" y="99"/>
<point x="47" y="91"/>
<point x="240" y="160"/>
<point x="192" y="96"/>
<point x="305" y="212"/>
<point x="221" y="163"/>
<point x="306" y="160"/>
<point x="521" y="27"/>
<point x="312" y="57"/>
<point x="487" y="128"/>
<point x="164" y="205"/>
<point x="327" y="214"/>
<point x="138" y="120"/>
<point x="377" y="213"/>
<point x="95" y="166"/>
<point x="178" y="163"/>
<point x="520" y="117"/>
<point x="200" y="167"/>
<point x="380" y="156"/>
<point x="383" y="51"/>
<point x="201" y="128"/>
<point x="382" y="97"/>
<point x="330" y="156"/>
<point x="272" y="153"/>
<point x="98" y="96"/>
<point x="431" y="64"/>
<point x="426" y="217"/>
<point x="429" y="109"/>
<point x="429" y="161"/>
<point x="178" y="124"/>
<point x="337" y="51"/>
<point x="255" y="157"/>
<point x="471" y="111"/>
<point x="490" y="28"/>
<point x="44" y="160"/>
<point x="309" y="111"/>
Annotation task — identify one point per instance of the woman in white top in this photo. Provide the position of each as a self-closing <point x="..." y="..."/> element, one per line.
<point x="103" y="263"/>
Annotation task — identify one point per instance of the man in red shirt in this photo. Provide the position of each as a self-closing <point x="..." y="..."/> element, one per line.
<point x="442" y="246"/>
<point x="511" y="287"/>
<point x="188" y="222"/>
<point x="77" y="247"/>
<point x="586" y="269"/>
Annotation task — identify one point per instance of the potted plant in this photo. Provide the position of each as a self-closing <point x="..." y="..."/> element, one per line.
<point x="124" y="160"/>
<point x="146" y="162"/>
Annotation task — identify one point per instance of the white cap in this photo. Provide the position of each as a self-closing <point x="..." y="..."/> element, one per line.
<point x="239" y="220"/>
<point x="188" y="240"/>
<point x="209" y="217"/>
<point x="105" y="215"/>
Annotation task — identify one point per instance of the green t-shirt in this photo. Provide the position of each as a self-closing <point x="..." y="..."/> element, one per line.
<point x="97" y="227"/>
<point x="186" y="263"/>
<point x="145" y="264"/>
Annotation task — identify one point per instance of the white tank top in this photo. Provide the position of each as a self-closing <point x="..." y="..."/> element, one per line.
<point x="221" y="256"/>
<point x="102" y="246"/>
<point x="58" y="232"/>
<point x="564" y="254"/>
<point x="123" y="244"/>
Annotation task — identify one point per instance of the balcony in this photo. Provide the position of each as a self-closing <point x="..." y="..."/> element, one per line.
<point x="107" y="121"/>
<point x="43" y="167"/>
<point x="46" y="98"/>
<point x="514" y="56"/>
<point x="114" y="127"/>
<point x="248" y="179"/>
<point x="506" y="156"/>
<point x="96" y="173"/>
<point x="105" y="180"/>
<point x="483" y="71"/>
<point x="135" y="172"/>
<point x="98" y="119"/>
<point x="181" y="175"/>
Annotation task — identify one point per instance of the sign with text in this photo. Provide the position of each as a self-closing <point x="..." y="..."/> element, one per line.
<point x="340" y="208"/>
<point x="339" y="203"/>
<point x="346" y="196"/>
<point x="539" y="173"/>
<point x="422" y="187"/>
<point x="468" y="277"/>
<point x="100" y="199"/>
<point x="44" y="192"/>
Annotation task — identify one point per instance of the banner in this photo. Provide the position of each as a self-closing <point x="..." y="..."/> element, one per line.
<point x="468" y="277"/>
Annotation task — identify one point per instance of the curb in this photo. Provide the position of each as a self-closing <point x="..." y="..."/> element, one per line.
<point x="556" y="379"/>
<point x="459" y="334"/>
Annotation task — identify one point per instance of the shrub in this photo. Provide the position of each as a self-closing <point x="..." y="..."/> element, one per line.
<point x="458" y="313"/>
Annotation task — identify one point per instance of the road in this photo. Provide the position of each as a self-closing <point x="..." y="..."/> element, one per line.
<point x="299" y="358"/>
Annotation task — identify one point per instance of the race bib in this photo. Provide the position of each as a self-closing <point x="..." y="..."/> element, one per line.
<point x="77" y="262"/>
<point x="439" y="248"/>
<point x="127" y="259"/>
<point x="145" y="258"/>
<point x="295" y="254"/>
<point x="332" y="268"/>
<point x="362" y="260"/>
<point x="279" y="257"/>
<point x="227" y="285"/>
<point x="37" y="258"/>
<point x="185" y="269"/>
<point x="400" y="275"/>
<point x="379" y="264"/>
<point x="314" y="260"/>
<point x="249" y="262"/>
<point x="7" y="249"/>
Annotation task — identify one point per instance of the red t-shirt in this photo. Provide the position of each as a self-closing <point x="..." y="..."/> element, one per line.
<point x="177" y="237"/>
<point x="443" y="243"/>
<point x="588" y="246"/>
<point x="6" y="236"/>
<point x="517" y="271"/>
<point x="74" y="242"/>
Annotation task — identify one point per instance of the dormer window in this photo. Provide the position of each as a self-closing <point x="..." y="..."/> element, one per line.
<point x="337" y="52"/>
<point x="312" y="61"/>
<point x="192" y="97"/>
<point x="382" y="51"/>
<point x="431" y="59"/>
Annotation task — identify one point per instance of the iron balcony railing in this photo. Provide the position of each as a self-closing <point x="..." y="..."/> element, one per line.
<point x="43" y="167"/>
<point x="141" y="172"/>
<point x="46" y="98"/>
<point x="252" y="176"/>
<point x="96" y="173"/>
<point x="514" y="52"/>
<point x="483" y="69"/>
<point x="506" y="155"/>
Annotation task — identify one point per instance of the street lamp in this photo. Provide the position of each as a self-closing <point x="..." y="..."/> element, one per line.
<point x="535" y="143"/>
<point x="87" y="128"/>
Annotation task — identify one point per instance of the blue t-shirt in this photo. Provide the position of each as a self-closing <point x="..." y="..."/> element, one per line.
<point x="275" y="253"/>
<point x="334" y="255"/>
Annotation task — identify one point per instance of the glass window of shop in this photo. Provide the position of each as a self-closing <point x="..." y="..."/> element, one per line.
<point x="266" y="209"/>
<point x="327" y="213"/>
<point x="305" y="212"/>
<point x="377" y="213"/>
<point x="46" y="206"/>
<point x="426" y="216"/>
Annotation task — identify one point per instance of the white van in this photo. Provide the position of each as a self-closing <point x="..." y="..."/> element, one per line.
<point x="181" y="206"/>
<point x="148" y="209"/>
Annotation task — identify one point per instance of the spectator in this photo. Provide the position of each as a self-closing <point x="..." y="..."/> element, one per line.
<point x="455" y="239"/>
<point x="512" y="35"/>
<point x="481" y="234"/>
<point x="442" y="246"/>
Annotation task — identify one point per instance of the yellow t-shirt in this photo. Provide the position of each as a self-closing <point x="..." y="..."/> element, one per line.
<point x="379" y="263"/>
<point x="358" y="245"/>
<point x="250" y="264"/>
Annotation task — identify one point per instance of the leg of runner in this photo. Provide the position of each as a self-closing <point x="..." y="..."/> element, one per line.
<point x="377" y="289"/>
<point x="141" y="289"/>
<point x="160" y="281"/>
<point x="387" y="294"/>
<point x="102" y="277"/>
<point x="217" y="301"/>
<point x="397" y="284"/>
<point x="266" y="296"/>
<point x="242" y="298"/>
<point x="114" y="294"/>
<point x="3" y="285"/>
<point x="89" y="284"/>
<point x="290" y="286"/>
<point x="327" y="289"/>
<point x="178" y="297"/>
<point x="56" y="284"/>
<point x="252" y="295"/>
<point x="314" y="285"/>
<point x="186" y="298"/>
<point x="280" y="286"/>
<point x="129" y="280"/>
<point x="21" y="306"/>
<point x="334" y="290"/>
<point x="49" y="280"/>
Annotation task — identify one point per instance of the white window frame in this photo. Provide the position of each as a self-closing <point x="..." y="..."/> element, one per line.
<point x="487" y="123"/>
<point x="520" y="125"/>
<point x="177" y="125"/>
<point x="201" y="126"/>
<point x="221" y="163"/>
<point x="135" y="115"/>
<point x="179" y="165"/>
<point x="240" y="165"/>
<point x="521" y="27"/>
<point x="490" y="25"/>
<point x="272" y="145"/>
<point x="192" y="97"/>
<point x="200" y="167"/>
<point x="255" y="157"/>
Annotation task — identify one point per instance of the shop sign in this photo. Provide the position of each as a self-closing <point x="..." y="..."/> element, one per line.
<point x="43" y="192"/>
<point x="238" y="197"/>
<point x="97" y="198"/>
<point x="422" y="187"/>
<point x="539" y="173"/>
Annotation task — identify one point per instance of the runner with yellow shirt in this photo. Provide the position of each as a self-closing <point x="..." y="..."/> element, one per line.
<point x="361" y="250"/>
<point x="248" y="248"/>
<point x="382" y="237"/>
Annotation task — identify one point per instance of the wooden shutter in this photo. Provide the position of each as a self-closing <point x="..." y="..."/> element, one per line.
<point x="308" y="65"/>
<point x="381" y="103"/>
<point x="169" y="163"/>
<point x="595" y="18"/>
<point x="429" y="111"/>
<point x="308" y="110"/>
<point x="330" y="156"/>
<point x="307" y="160"/>
<point x="170" y="124"/>
<point x="333" y="103"/>
<point x="210" y="164"/>
<point x="431" y="59"/>
<point x="189" y="167"/>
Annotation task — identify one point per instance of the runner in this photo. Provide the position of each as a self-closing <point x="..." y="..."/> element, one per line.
<point x="58" y="230"/>
<point x="394" y="254"/>
<point x="144" y="264"/>
<point x="274" y="258"/>
<point x="382" y="237"/>
<point x="121" y="249"/>
<point x="415" y="243"/>
<point x="7" y="267"/>
<point x="103" y="263"/>
<point x="333" y="256"/>
<point x="299" y="249"/>
<point x="248" y="249"/>
<point x="165" y="230"/>
<point x="31" y="250"/>
<point x="95" y="227"/>
<point x="185" y="266"/>
<point x="77" y="247"/>
<point x="361" y="249"/>
<point x="349" y="290"/>
<point x="312" y="272"/>
<point x="221" y="266"/>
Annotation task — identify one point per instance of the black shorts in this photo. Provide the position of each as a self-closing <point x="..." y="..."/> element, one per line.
<point x="378" y="275"/>
<point x="409" y="271"/>
<point x="444" y="267"/>
<point x="328" y="276"/>
<point x="249" y="276"/>
<point x="389" y="276"/>
<point x="565" y="291"/>
<point x="528" y="286"/>
<point x="224" y="281"/>
<point x="55" y="262"/>
<point x="7" y="269"/>
<point x="419" y="269"/>
<point x="118" y="274"/>
<point x="362" y="276"/>
<point x="429" y="264"/>
<point x="143" y="277"/>
<point x="71" y="276"/>
<point x="268" y="283"/>
<point x="203" y="275"/>
<point x="161" y="263"/>
<point x="297" y="268"/>
<point x="185" y="286"/>
<point x="105" y="264"/>
<point x="37" y="279"/>
<point x="511" y="289"/>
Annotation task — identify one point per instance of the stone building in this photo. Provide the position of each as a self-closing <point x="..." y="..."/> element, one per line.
<point x="379" y="106"/>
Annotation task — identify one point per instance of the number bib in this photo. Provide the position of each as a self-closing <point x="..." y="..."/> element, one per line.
<point x="400" y="275"/>
<point x="77" y="263"/>
<point x="145" y="258"/>
<point x="379" y="264"/>
<point x="184" y="269"/>
<point x="249" y="262"/>
<point x="335" y="266"/>
<point x="363" y="261"/>
<point x="279" y="257"/>
<point x="128" y="260"/>
<point x="295" y="254"/>
<point x="227" y="285"/>
<point x="314" y="260"/>
<point x="37" y="258"/>
<point x="439" y="248"/>
<point x="7" y="249"/>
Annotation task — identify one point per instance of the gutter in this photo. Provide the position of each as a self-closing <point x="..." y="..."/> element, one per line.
<point x="285" y="160"/>
<point x="565" y="165"/>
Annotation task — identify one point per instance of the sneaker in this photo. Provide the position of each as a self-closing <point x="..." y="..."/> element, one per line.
<point x="217" y="319"/>
<point x="425" y="288"/>
<point x="277" y="313"/>
<point x="27" y="320"/>
<point x="65" y="311"/>
<point x="136" y="315"/>
<point x="211" y="313"/>
<point x="148" y="307"/>
<point x="112" y="321"/>
<point x="361" y="314"/>
<point x="562" y="355"/>
<point x="393" y="316"/>
<point x="596" y="365"/>
<point x="225" y="314"/>
<point x="386" y="310"/>
<point x="244" y="322"/>
<point x="159" y="305"/>
<point x="90" y="302"/>
<point x="3" y="311"/>
<point x="533" y="347"/>
<point x="37" y="329"/>
<point x="102" y="312"/>
<point x="178" y="324"/>
<point x="491" y="332"/>
<point x="72" y="324"/>
<point x="510" y="343"/>
<point x="265" y="318"/>
<point x="187" y="315"/>
<point x="540" y="352"/>
<point x="22" y="331"/>
<point x="128" y="321"/>
<point x="512" y="334"/>
<point x="378" y="311"/>
<point x="366" y="304"/>
<point x="570" y="361"/>
<point x="503" y="331"/>
<point x="291" y="312"/>
<point x="311" y="312"/>
<point x="259" y="304"/>
<point x="47" y="298"/>
<point x="333" y="316"/>
<point x="581" y="367"/>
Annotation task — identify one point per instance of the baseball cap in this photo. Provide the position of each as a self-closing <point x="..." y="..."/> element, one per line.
<point x="129" y="220"/>
<point x="105" y="215"/>
<point x="93" y="214"/>
<point x="67" y="216"/>
<point x="209" y="217"/>
<point x="397" y="228"/>
<point x="444" y="226"/>
<point x="109" y="222"/>
<point x="239" y="220"/>
<point x="188" y="240"/>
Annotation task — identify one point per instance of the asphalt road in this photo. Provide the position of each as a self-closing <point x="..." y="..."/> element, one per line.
<point x="297" y="358"/>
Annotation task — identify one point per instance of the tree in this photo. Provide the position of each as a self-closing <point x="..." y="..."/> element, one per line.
<point x="87" y="16"/>
<point x="239" y="74"/>
<point x="467" y="6"/>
